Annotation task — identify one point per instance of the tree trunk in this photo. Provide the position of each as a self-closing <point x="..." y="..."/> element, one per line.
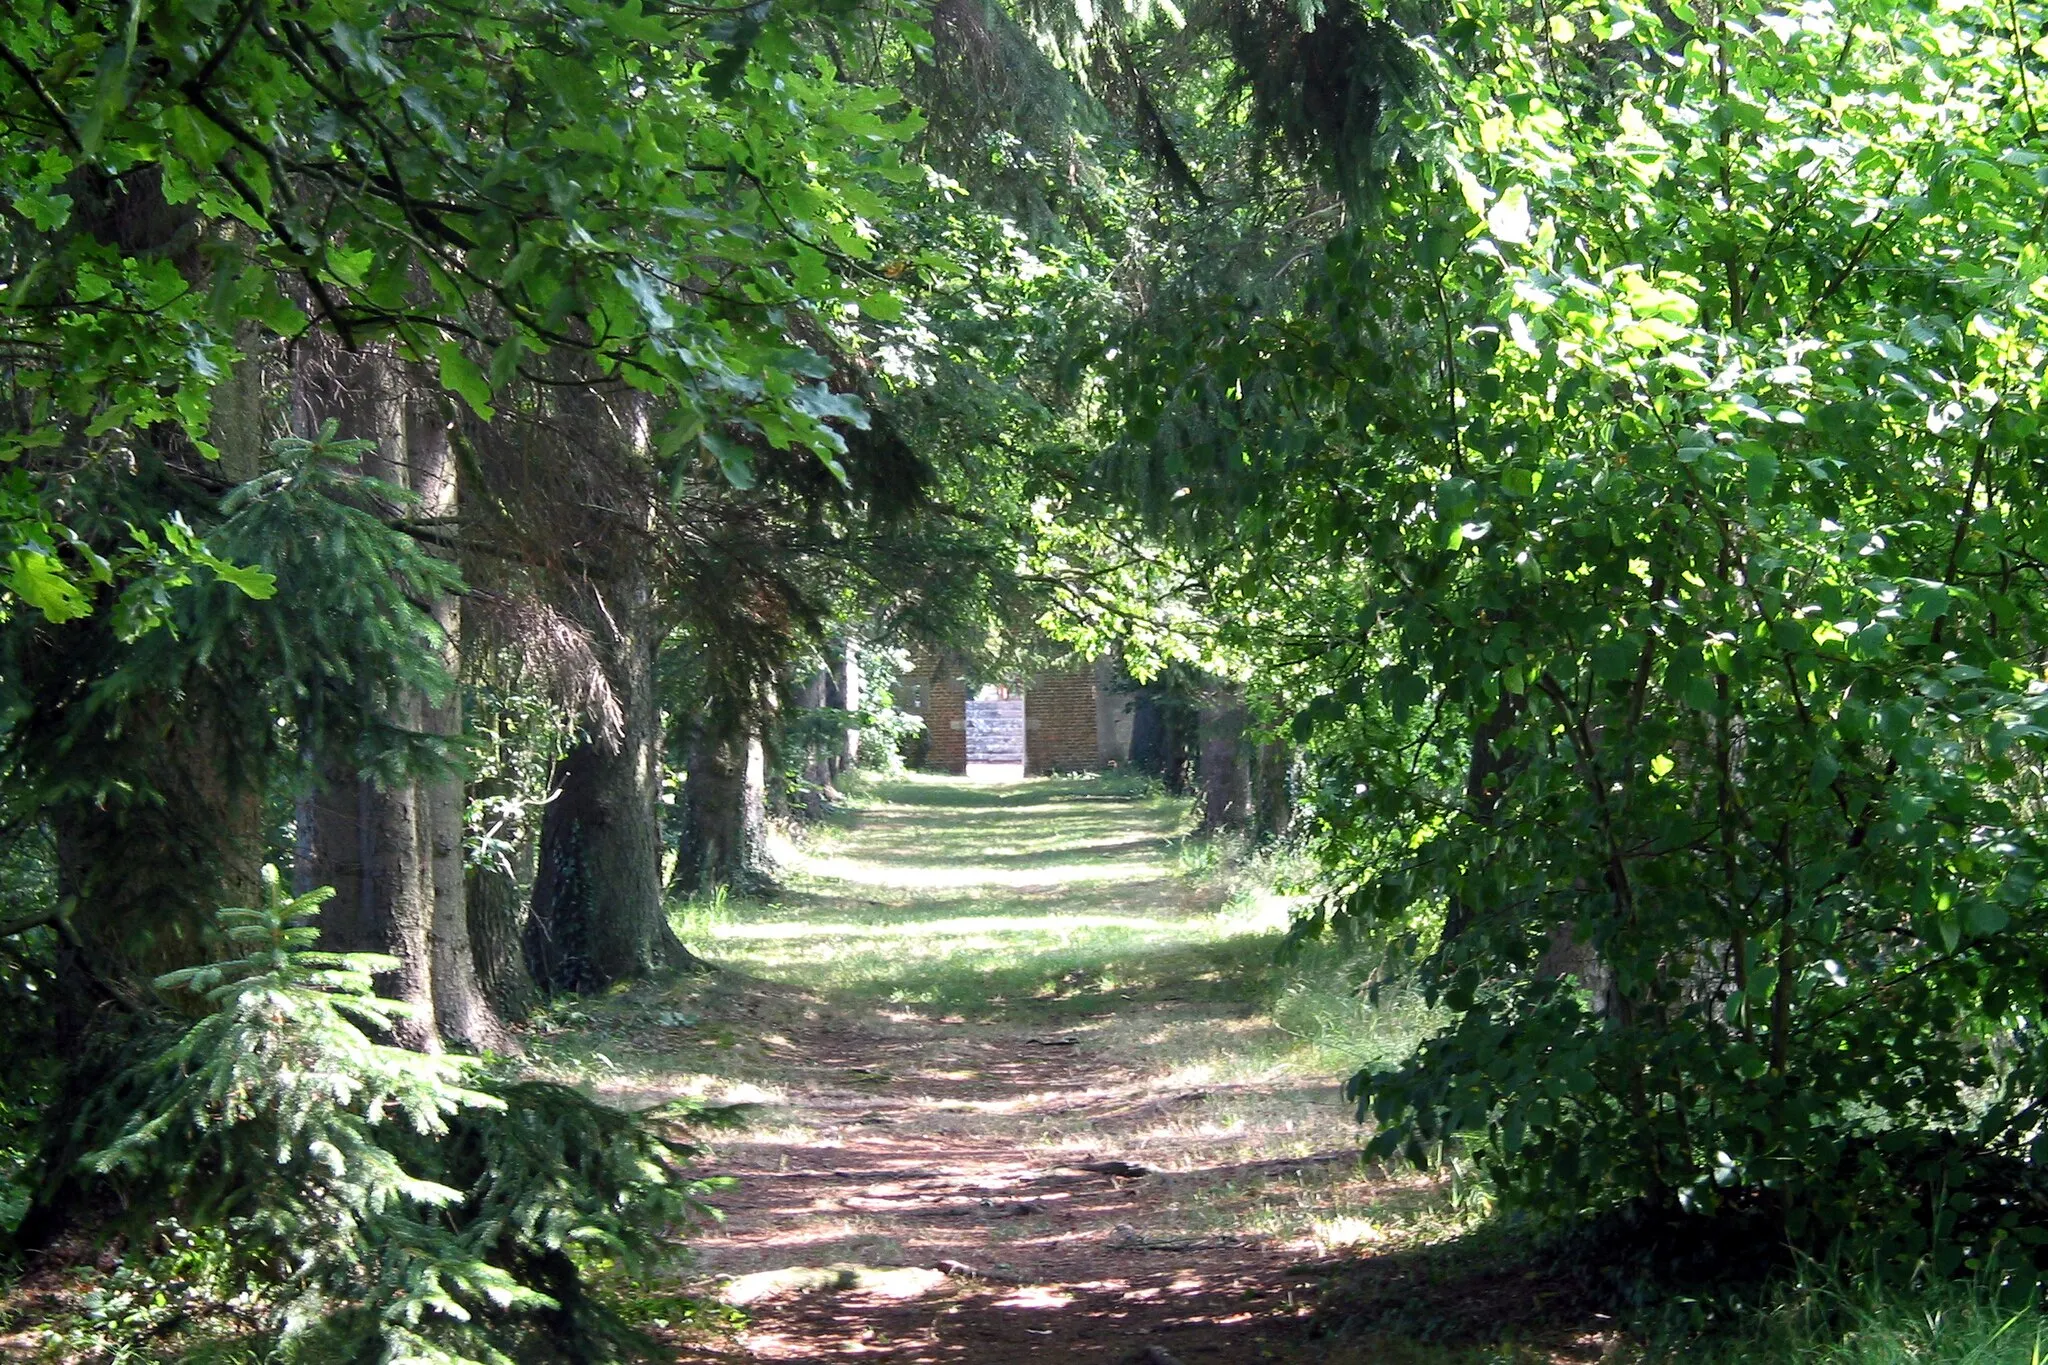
<point x="496" y="938"/>
<point x="852" y="696"/>
<point x="1226" y="779"/>
<point x="362" y="838"/>
<point x="462" y="1014"/>
<point x="597" y="914"/>
<point x="1161" y="744"/>
<point x="724" y="835"/>
<point x="1272" y="790"/>
<point x="816" y="773"/>
<point x="146" y="873"/>
<point x="376" y="839"/>
<point x="497" y="918"/>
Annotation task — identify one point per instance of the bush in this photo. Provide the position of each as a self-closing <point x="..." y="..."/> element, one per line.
<point x="379" y="1203"/>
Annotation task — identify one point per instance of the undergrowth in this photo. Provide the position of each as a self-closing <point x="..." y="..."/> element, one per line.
<point x="1834" y="1320"/>
<point x="353" y="1201"/>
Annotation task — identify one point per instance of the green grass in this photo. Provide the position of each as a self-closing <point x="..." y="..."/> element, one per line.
<point x="1039" y="900"/>
<point x="1848" y="1324"/>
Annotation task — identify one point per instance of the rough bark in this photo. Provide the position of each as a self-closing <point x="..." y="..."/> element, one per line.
<point x="496" y="910"/>
<point x="1162" y="739"/>
<point x="816" y="773"/>
<point x="852" y="691"/>
<point x="1272" y="790"/>
<point x="496" y="935"/>
<point x="372" y="837"/>
<point x="597" y="915"/>
<point x="361" y="837"/>
<point x="156" y="811"/>
<point x="145" y="872"/>
<point x="724" y="827"/>
<point x="462" y="1014"/>
<point x="1226" y="775"/>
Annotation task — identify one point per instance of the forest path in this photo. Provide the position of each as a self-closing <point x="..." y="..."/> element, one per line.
<point x="981" y="996"/>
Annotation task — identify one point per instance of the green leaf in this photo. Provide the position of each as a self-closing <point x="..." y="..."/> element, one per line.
<point x="735" y="461"/>
<point x="40" y="581"/>
<point x="1984" y="917"/>
<point x="460" y="375"/>
<point x="1508" y="219"/>
<point x="46" y="211"/>
<point x="883" y="305"/>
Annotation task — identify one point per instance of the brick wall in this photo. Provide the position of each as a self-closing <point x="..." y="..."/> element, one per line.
<point x="930" y="690"/>
<point x="1061" y="718"/>
<point x="945" y="722"/>
<point x="1059" y="723"/>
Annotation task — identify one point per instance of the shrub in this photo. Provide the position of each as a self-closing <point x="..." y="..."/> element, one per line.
<point x="379" y="1203"/>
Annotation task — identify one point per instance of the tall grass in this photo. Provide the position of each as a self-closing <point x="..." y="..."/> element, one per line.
<point x="1845" y="1322"/>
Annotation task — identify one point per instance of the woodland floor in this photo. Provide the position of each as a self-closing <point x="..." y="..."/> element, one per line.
<point x="962" y="998"/>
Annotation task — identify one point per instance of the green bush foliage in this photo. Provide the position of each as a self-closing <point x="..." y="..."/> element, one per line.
<point x="380" y="1203"/>
<point x="1642" y="507"/>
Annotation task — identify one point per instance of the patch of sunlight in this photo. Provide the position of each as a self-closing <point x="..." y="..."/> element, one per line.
<point x="1332" y="1234"/>
<point x="1263" y="912"/>
<point x="1020" y="1104"/>
<point x="1035" y="1296"/>
<point x="927" y="877"/>
<point x="903" y="1282"/>
<point x="746" y="1092"/>
<point x="792" y="1135"/>
<point x="693" y="1086"/>
<point x="985" y="926"/>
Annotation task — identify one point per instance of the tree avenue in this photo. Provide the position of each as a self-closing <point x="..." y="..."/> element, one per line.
<point x="471" y="472"/>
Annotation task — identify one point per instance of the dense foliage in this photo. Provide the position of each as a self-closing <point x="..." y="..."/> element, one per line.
<point x="1648" y="487"/>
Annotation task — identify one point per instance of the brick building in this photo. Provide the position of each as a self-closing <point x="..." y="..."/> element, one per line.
<point x="1063" y="720"/>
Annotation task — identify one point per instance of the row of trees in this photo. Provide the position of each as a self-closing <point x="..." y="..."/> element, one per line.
<point x="426" y="429"/>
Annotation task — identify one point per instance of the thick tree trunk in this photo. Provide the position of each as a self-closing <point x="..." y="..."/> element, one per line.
<point x="145" y="873"/>
<point x="497" y="940"/>
<point x="392" y="848"/>
<point x="361" y="837"/>
<point x="1272" y="790"/>
<point x="852" y="691"/>
<point x="497" y="918"/>
<point x="1226" y="777"/>
<point x="724" y="834"/>
<point x="597" y="914"/>
<point x="1161" y="743"/>
<point x="817" y="771"/>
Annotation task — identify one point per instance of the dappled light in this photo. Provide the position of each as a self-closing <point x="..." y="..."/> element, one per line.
<point x="1077" y="1114"/>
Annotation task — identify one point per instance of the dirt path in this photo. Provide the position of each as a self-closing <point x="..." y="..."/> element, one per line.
<point x="934" y="1172"/>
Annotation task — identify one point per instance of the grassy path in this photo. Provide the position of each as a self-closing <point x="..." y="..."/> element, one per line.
<point x="1016" y="1094"/>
